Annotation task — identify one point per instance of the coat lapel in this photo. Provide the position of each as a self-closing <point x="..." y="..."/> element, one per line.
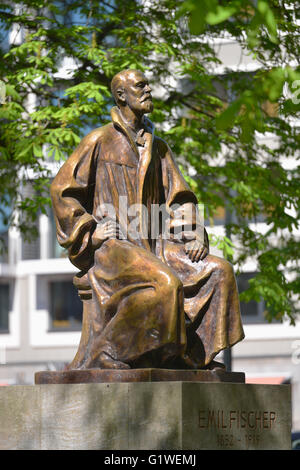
<point x="144" y="160"/>
<point x="118" y="121"/>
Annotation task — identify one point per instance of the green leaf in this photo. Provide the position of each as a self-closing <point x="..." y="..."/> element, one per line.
<point x="37" y="150"/>
<point x="217" y="146"/>
<point x="268" y="17"/>
<point x="228" y="117"/>
<point x="221" y="13"/>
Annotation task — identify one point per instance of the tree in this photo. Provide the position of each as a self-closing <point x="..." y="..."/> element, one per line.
<point x="199" y="113"/>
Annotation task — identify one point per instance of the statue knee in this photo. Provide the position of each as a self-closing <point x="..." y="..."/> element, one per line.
<point x="168" y="282"/>
<point x="226" y="269"/>
<point x="81" y="282"/>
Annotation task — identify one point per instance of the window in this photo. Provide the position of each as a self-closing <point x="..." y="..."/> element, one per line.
<point x="65" y="306"/>
<point x="4" y="308"/>
<point x="4" y="36"/>
<point x="259" y="217"/>
<point x="5" y="214"/>
<point x="252" y="312"/>
<point x="31" y="247"/>
<point x="4" y="247"/>
<point x="219" y="217"/>
<point x="223" y="216"/>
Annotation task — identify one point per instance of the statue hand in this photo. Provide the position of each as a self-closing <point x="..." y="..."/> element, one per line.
<point x="105" y="230"/>
<point x="196" y="249"/>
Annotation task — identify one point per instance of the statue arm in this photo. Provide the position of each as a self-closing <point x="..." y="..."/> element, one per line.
<point x="183" y="208"/>
<point x="72" y="199"/>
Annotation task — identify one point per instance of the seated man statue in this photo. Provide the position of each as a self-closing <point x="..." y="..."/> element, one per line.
<point x="155" y="300"/>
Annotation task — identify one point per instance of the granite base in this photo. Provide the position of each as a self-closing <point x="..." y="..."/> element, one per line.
<point x="145" y="416"/>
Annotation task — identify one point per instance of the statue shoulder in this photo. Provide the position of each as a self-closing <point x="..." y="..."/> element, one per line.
<point x="82" y="153"/>
<point x="162" y="146"/>
<point x="96" y="134"/>
<point x="90" y="140"/>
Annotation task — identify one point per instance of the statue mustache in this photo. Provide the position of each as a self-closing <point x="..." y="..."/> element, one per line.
<point x="146" y="97"/>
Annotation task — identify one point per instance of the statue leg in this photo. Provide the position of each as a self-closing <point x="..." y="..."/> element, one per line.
<point x="214" y="319"/>
<point x="141" y="303"/>
<point x="90" y="320"/>
<point x="211" y="305"/>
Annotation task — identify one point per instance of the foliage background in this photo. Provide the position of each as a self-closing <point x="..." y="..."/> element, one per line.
<point x="198" y="112"/>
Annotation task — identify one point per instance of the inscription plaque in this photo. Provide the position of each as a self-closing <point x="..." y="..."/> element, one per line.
<point x="248" y="424"/>
<point x="240" y="417"/>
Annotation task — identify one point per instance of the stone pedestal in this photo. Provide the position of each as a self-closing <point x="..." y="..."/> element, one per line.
<point x="145" y="415"/>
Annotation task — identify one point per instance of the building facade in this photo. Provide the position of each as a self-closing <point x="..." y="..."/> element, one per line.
<point x="40" y="312"/>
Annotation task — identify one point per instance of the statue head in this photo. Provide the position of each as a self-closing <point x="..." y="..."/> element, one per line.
<point x="131" y="88"/>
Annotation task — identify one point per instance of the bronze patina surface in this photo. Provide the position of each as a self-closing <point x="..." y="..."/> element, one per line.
<point x="150" y="300"/>
<point x="137" y="375"/>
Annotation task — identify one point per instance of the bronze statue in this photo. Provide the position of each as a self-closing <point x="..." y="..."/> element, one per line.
<point x="149" y="301"/>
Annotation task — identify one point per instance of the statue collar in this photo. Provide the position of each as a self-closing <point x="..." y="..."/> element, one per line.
<point x="135" y="139"/>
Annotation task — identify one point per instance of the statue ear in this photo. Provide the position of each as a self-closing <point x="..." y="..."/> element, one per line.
<point x="121" y="96"/>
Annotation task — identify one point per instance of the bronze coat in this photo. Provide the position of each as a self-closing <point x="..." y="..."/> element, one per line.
<point x="106" y="165"/>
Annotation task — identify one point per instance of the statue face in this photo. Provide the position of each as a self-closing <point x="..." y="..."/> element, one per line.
<point x="137" y="93"/>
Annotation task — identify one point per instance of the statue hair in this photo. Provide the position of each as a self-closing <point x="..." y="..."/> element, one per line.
<point x="119" y="81"/>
